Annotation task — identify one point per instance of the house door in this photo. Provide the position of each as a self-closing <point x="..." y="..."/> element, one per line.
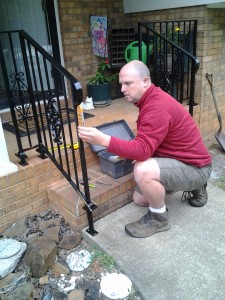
<point x="37" y="18"/>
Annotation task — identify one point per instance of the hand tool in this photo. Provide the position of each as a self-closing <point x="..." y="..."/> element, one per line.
<point x="219" y="135"/>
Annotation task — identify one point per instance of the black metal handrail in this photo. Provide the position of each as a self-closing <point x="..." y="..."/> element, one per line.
<point x="173" y="67"/>
<point x="43" y="96"/>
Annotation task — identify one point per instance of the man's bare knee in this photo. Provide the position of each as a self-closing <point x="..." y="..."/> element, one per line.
<point x="148" y="169"/>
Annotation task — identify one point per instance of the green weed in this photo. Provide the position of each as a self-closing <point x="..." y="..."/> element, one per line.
<point x="105" y="260"/>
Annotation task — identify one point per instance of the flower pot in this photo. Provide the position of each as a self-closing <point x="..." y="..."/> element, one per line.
<point x="100" y="93"/>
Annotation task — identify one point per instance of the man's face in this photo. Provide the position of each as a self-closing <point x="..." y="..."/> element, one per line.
<point x="132" y="86"/>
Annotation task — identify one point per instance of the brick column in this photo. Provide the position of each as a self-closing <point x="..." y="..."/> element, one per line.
<point x="6" y="166"/>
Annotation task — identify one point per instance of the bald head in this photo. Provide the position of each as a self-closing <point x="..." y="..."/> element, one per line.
<point x="137" y="67"/>
<point x="134" y="78"/>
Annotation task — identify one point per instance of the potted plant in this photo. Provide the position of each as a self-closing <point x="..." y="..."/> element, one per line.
<point x="174" y="36"/>
<point x="167" y="50"/>
<point x="99" y="85"/>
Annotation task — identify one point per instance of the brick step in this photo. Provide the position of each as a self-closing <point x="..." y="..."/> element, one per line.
<point x="109" y="195"/>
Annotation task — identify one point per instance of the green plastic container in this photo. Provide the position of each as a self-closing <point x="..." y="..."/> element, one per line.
<point x="132" y="51"/>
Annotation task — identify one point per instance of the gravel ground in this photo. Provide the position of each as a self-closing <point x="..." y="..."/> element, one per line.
<point x="87" y="280"/>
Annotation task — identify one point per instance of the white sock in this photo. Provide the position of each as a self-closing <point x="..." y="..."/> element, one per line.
<point x="158" y="210"/>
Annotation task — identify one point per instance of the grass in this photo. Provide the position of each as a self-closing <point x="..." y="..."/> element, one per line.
<point x="220" y="182"/>
<point x="106" y="261"/>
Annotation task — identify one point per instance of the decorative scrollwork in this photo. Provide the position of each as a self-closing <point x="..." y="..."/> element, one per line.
<point x="165" y="83"/>
<point x="53" y="119"/>
<point x="20" y="97"/>
<point x="177" y="70"/>
<point x="169" y="69"/>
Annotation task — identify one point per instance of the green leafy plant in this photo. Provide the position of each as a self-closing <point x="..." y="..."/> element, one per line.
<point x="104" y="74"/>
<point x="172" y="34"/>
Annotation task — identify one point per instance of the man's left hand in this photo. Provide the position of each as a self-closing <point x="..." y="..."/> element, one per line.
<point x="93" y="136"/>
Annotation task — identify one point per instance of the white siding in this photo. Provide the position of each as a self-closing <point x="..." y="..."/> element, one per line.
<point x="131" y="6"/>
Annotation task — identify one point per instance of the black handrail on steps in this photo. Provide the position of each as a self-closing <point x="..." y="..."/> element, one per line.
<point x="42" y="95"/>
<point x="172" y="63"/>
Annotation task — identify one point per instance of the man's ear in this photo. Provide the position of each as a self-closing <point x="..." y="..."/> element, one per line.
<point x="146" y="81"/>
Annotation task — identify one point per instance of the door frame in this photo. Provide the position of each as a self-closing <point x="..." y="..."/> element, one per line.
<point x="54" y="30"/>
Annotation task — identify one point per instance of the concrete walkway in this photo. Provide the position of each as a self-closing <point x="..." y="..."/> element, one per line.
<point x="185" y="263"/>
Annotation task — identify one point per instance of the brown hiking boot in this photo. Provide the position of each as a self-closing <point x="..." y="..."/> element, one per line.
<point x="197" y="197"/>
<point x="149" y="224"/>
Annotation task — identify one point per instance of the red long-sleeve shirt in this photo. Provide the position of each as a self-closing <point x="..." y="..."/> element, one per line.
<point x="164" y="129"/>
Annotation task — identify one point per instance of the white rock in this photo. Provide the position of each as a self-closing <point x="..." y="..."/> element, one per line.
<point x="10" y="254"/>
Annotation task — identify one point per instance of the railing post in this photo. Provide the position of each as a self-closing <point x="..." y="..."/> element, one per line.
<point x="77" y="91"/>
<point x="194" y="69"/>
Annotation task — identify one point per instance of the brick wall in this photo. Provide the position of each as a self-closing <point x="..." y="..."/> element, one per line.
<point x="40" y="186"/>
<point x="76" y="39"/>
<point x="24" y="192"/>
<point x="212" y="56"/>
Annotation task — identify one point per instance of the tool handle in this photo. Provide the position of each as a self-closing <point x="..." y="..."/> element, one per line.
<point x="210" y="80"/>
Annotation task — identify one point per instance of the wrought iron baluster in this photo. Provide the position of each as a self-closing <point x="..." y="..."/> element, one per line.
<point x="54" y="119"/>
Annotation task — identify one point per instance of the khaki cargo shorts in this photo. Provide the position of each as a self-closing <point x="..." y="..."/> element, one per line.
<point x="177" y="176"/>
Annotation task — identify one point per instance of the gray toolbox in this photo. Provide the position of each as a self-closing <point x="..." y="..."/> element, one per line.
<point x="112" y="164"/>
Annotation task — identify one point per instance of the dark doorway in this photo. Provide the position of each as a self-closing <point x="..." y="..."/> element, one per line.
<point x="38" y="19"/>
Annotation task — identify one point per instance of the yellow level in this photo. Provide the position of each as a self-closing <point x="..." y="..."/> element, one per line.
<point x="75" y="146"/>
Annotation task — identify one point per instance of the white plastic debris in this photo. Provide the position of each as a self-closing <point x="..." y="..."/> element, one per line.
<point x="116" y="286"/>
<point x="65" y="284"/>
<point x="79" y="260"/>
<point x="88" y="104"/>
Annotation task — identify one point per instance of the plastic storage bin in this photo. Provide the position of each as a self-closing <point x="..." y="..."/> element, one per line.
<point x="110" y="163"/>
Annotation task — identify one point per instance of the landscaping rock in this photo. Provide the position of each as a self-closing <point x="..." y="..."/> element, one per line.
<point x="40" y="256"/>
<point x="52" y="233"/>
<point x="76" y="295"/>
<point x="8" y="281"/>
<point x="16" y="229"/>
<point x="22" y="292"/>
<point x="50" y="293"/>
<point x="50" y="222"/>
<point x="59" y="268"/>
<point x="43" y="280"/>
<point x="70" y="241"/>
